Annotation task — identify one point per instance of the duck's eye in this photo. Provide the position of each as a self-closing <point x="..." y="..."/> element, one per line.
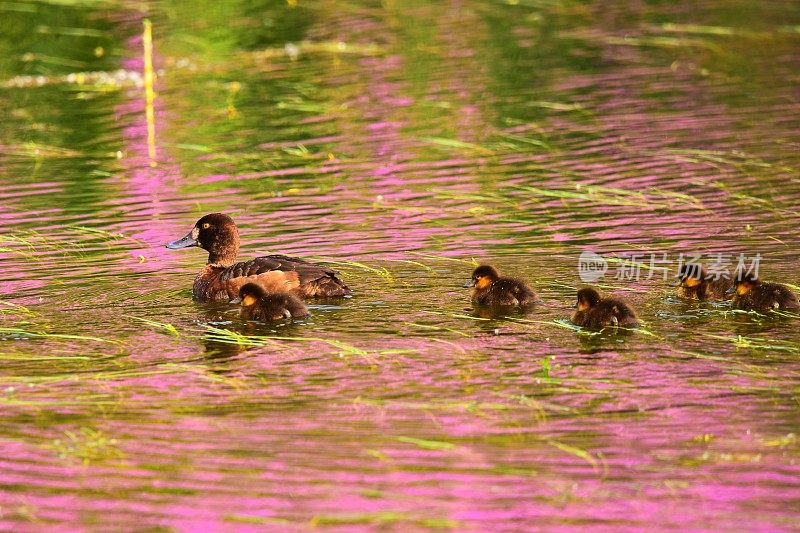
<point x="206" y="225"/>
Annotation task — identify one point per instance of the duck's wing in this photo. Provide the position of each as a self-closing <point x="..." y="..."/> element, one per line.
<point x="625" y="315"/>
<point x="612" y="312"/>
<point x="281" y="273"/>
<point x="516" y="291"/>
<point x="286" y="259"/>
<point x="783" y="298"/>
<point x="525" y="295"/>
<point x="261" y="265"/>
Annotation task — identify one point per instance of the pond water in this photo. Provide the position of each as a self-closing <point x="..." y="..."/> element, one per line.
<point x="402" y="142"/>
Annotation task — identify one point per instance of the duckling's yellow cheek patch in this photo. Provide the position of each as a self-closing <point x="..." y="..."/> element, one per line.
<point x="691" y="282"/>
<point x="248" y="300"/>
<point x="582" y="306"/>
<point x="743" y="289"/>
<point x="483" y="283"/>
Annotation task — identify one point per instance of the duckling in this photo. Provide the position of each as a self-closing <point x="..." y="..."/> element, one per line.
<point x="695" y="283"/>
<point x="221" y="278"/>
<point x="592" y="311"/>
<point x="261" y="306"/>
<point x="489" y="289"/>
<point x="752" y="294"/>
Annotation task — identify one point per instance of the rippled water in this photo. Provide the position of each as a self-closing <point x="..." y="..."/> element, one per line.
<point x="401" y="141"/>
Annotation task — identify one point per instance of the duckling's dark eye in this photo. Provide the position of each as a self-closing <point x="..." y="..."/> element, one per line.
<point x="206" y="225"/>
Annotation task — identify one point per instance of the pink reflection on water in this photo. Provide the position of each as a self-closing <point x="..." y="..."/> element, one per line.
<point x="308" y="430"/>
<point x="149" y="192"/>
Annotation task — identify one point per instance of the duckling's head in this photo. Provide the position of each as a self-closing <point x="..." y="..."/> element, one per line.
<point x="483" y="276"/>
<point x="587" y="298"/>
<point x="690" y="275"/>
<point x="215" y="233"/>
<point x="249" y="294"/>
<point x="743" y="283"/>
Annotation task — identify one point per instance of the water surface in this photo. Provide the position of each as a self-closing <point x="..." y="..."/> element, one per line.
<point x="402" y="142"/>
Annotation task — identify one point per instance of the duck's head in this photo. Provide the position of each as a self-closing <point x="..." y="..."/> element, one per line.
<point x="743" y="283"/>
<point x="249" y="294"/>
<point x="215" y="233"/>
<point x="690" y="276"/>
<point x="482" y="277"/>
<point x="587" y="298"/>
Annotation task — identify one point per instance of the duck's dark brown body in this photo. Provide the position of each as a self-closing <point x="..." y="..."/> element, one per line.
<point x="491" y="290"/>
<point x="594" y="312"/>
<point x="764" y="297"/>
<point x="504" y="292"/>
<point x="707" y="288"/>
<point x="606" y="313"/>
<point x="222" y="278"/>
<point x="275" y="273"/>
<point x="271" y="307"/>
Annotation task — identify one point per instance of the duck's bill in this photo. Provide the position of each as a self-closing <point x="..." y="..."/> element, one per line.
<point x="470" y="283"/>
<point x="730" y="291"/>
<point x="235" y="301"/>
<point x="678" y="281"/>
<point x="185" y="242"/>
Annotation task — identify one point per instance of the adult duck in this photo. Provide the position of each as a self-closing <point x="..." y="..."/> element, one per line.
<point x="222" y="277"/>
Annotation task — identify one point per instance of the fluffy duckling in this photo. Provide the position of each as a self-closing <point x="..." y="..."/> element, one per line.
<point x="752" y="294"/>
<point x="261" y="306"/>
<point x="221" y="278"/>
<point x="592" y="311"/>
<point x="489" y="289"/>
<point x="695" y="283"/>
